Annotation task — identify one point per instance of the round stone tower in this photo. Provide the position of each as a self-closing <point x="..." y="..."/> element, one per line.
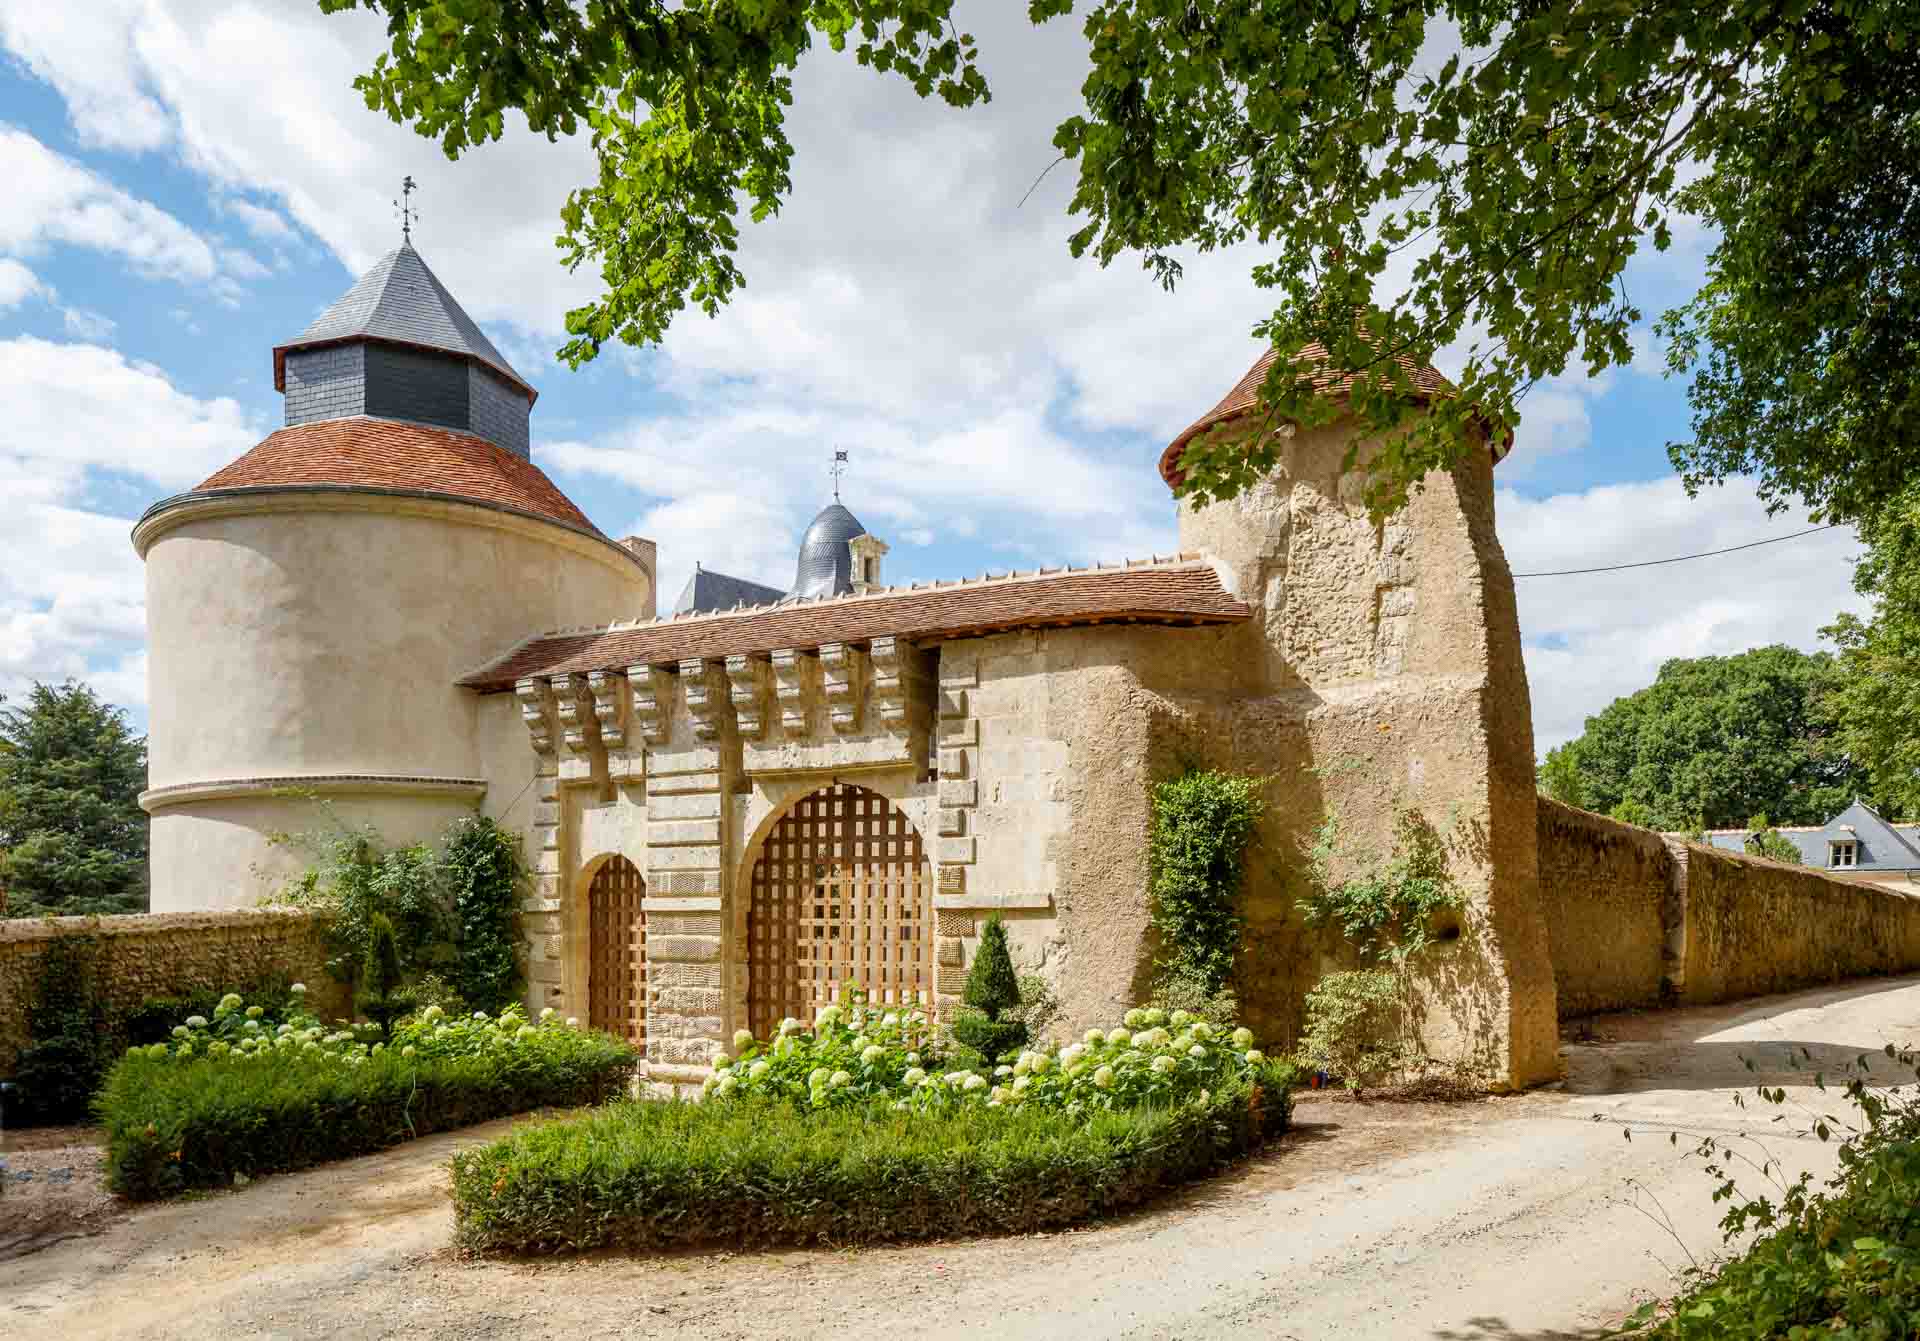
<point x="310" y="606"/>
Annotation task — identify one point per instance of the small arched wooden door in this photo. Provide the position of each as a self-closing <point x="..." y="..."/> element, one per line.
<point x="841" y="891"/>
<point x="617" y="951"/>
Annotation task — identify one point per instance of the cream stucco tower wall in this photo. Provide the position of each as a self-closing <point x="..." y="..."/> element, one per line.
<point x="310" y="607"/>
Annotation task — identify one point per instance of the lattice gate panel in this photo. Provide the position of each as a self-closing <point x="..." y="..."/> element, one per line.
<point x="841" y="891"/>
<point x="617" y="955"/>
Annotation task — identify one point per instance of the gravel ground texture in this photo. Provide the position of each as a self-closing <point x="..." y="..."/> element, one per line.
<point x="1528" y="1218"/>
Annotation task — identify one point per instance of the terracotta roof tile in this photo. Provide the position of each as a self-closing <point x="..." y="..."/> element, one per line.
<point x="1427" y="384"/>
<point x="386" y="454"/>
<point x="1179" y="591"/>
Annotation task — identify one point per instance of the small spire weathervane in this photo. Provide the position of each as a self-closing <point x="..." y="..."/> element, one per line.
<point x="839" y="469"/>
<point x="409" y="216"/>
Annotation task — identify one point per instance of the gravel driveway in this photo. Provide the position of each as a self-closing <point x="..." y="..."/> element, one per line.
<point x="1522" y="1218"/>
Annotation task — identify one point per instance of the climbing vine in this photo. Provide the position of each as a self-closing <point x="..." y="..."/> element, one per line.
<point x="1196" y="860"/>
<point x="486" y="876"/>
<point x="1359" y="1023"/>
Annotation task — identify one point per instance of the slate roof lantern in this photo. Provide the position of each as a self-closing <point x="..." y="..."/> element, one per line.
<point x="826" y="564"/>
<point x="398" y="345"/>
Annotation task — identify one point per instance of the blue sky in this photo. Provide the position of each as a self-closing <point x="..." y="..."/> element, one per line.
<point x="193" y="180"/>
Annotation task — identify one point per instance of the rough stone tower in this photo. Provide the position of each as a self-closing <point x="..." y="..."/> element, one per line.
<point x="310" y="606"/>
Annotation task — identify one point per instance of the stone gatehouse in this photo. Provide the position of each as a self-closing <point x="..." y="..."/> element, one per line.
<point x="387" y="605"/>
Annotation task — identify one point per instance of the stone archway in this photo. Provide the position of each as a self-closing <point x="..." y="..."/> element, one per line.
<point x="841" y="890"/>
<point x="617" y="951"/>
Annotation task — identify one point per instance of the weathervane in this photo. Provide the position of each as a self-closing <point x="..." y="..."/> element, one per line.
<point x="839" y="468"/>
<point x="409" y="216"/>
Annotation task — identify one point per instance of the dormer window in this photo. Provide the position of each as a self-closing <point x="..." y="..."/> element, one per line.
<point x="1842" y="852"/>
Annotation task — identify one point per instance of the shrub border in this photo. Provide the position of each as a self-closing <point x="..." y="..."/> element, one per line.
<point x="573" y="1204"/>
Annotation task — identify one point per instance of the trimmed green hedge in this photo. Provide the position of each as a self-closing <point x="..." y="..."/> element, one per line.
<point x="653" y="1175"/>
<point x="176" y="1124"/>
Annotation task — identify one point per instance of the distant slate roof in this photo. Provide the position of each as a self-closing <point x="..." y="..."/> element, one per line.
<point x="399" y="301"/>
<point x="1180" y="591"/>
<point x="825" y="566"/>
<point x="1878" y="844"/>
<point x="707" y="590"/>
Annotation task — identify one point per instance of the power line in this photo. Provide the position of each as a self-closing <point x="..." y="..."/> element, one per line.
<point x="1682" y="558"/>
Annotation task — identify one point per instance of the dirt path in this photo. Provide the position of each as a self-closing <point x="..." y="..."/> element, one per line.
<point x="1523" y="1219"/>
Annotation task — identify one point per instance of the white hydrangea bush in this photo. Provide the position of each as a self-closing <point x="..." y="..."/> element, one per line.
<point x="856" y="1054"/>
<point x="236" y="1035"/>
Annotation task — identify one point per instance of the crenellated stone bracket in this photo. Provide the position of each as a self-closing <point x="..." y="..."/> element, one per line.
<point x="610" y="701"/>
<point x="844" y="672"/>
<point x="708" y="696"/>
<point x="653" y="692"/>
<point x="749" y="679"/>
<point x="537" y="711"/>
<point x="795" y="673"/>
<point x="902" y="685"/>
<point x="578" y="722"/>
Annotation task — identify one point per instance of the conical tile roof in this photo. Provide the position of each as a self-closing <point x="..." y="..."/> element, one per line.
<point x="400" y="301"/>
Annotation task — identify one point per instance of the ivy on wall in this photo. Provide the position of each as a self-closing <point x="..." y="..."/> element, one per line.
<point x="1196" y="862"/>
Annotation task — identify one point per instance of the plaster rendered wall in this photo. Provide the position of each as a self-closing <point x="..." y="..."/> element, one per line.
<point x="304" y="635"/>
<point x="1379" y="676"/>
<point x="1756" y="926"/>
<point x="154" y="955"/>
<point x="1611" y="896"/>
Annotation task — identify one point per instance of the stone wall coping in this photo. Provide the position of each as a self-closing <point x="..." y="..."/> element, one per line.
<point x="15" y="930"/>
<point x="326" y="784"/>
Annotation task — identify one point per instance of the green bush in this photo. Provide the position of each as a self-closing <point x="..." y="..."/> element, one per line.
<point x="379" y="997"/>
<point x="485" y="875"/>
<point x="228" y="1097"/>
<point x="987" y="1038"/>
<point x="651" y="1175"/>
<point x="1840" y="1261"/>
<point x="58" y="1071"/>
<point x="1196" y="862"/>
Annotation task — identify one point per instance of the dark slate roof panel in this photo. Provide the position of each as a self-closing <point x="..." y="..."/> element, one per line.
<point x="401" y="300"/>
<point x="826" y="564"/>
<point x="707" y="590"/>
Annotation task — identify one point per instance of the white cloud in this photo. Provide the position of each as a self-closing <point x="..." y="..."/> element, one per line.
<point x="90" y="59"/>
<point x="53" y="200"/>
<point x="17" y="284"/>
<point x="72" y="407"/>
<point x="86" y="324"/>
<point x="1590" y="639"/>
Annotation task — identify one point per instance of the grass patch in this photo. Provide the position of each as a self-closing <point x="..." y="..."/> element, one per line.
<point x="650" y="1175"/>
<point x="175" y="1124"/>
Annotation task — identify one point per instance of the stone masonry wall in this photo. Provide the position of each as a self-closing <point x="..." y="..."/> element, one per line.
<point x="1610" y="896"/>
<point x="166" y="954"/>
<point x="1757" y="926"/>
<point x="1629" y="912"/>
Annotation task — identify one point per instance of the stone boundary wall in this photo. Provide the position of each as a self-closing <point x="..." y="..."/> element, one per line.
<point x="1635" y="919"/>
<point x="1756" y="926"/>
<point x="166" y="954"/>
<point x="1611" y="901"/>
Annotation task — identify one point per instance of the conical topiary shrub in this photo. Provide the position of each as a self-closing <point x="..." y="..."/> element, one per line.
<point x="380" y="997"/>
<point x="992" y="990"/>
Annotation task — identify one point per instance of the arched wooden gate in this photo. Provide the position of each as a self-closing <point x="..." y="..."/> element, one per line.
<point x="841" y="890"/>
<point x="617" y="951"/>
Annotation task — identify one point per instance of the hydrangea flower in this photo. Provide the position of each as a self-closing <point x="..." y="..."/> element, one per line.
<point x="525" y="1031"/>
<point x="179" y="1031"/>
<point x="1042" y="1063"/>
<point x="913" y="1076"/>
<point x="217" y="1049"/>
<point x="720" y="1060"/>
<point x="186" y="1049"/>
<point x="1003" y="1071"/>
<point x="818" y="1076"/>
<point x="547" y="1013"/>
<point x="1197" y="1050"/>
<point x="974" y="1082"/>
<point x="196" y="1022"/>
<point x="726" y="1083"/>
<point x="1021" y="1082"/>
<point x="231" y="1001"/>
<point x="872" y="1053"/>
<point x="1119" y="1037"/>
<point x="1155" y="1017"/>
<point x="431" y="1013"/>
<point x="1022" y="1064"/>
<point x="790" y="1025"/>
<point x="1255" y="1056"/>
<point x="759" y="1068"/>
<point x="407" y="1051"/>
<point x="1135" y="1018"/>
<point x="1201" y="1029"/>
<point x="1243" y="1038"/>
<point x="840" y="1078"/>
<point x="298" y="989"/>
<point x="1180" y="1019"/>
<point x="251" y="1025"/>
<point x="1163" y="1064"/>
<point x="479" y="1015"/>
<point x="826" y="1017"/>
<point x="255" y="1012"/>
<point x="1103" y="1077"/>
<point x="742" y="1039"/>
<point x="1000" y="1093"/>
<point x="1094" y="1037"/>
<point x="573" y="1021"/>
<point x="1072" y="1053"/>
<point x="913" y="1059"/>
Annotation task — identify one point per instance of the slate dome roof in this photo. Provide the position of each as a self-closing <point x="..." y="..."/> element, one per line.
<point x="826" y="564"/>
<point x="400" y="301"/>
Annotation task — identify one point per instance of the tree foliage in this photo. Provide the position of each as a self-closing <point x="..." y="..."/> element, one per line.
<point x="1763" y="840"/>
<point x="1714" y="740"/>
<point x="73" y="838"/>
<point x="1196" y="863"/>
<point x="1873" y="697"/>
<point x="1521" y="158"/>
